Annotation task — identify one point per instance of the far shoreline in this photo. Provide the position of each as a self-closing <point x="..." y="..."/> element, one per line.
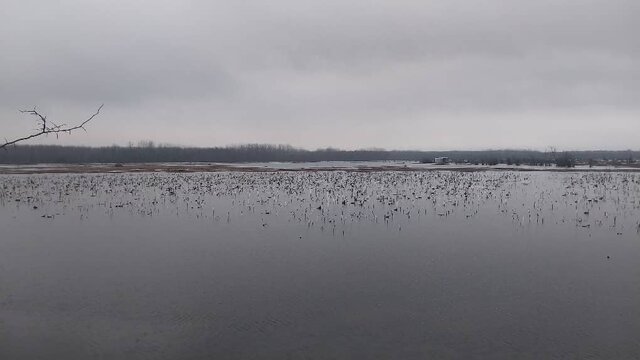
<point x="101" y="168"/>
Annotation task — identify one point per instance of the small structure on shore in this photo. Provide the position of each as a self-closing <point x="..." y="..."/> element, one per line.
<point x="441" y="160"/>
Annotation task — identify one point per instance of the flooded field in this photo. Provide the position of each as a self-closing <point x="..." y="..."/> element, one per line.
<point x="320" y="265"/>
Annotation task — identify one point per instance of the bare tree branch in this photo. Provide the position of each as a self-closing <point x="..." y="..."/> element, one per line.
<point x="46" y="127"/>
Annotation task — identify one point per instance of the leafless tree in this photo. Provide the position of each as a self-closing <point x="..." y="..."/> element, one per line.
<point x="46" y="127"/>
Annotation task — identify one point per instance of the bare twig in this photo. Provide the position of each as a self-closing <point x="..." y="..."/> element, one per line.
<point x="46" y="127"/>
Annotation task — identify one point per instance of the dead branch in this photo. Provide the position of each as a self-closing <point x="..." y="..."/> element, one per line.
<point x="46" y="127"/>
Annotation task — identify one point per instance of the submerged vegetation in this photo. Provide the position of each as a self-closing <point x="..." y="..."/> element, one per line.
<point x="335" y="200"/>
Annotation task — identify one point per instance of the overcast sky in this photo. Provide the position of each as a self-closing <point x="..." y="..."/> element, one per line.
<point x="428" y="74"/>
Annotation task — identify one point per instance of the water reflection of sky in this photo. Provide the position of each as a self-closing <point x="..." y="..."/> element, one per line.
<point x="320" y="265"/>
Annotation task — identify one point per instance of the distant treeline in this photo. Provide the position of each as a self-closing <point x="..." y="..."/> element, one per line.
<point x="33" y="154"/>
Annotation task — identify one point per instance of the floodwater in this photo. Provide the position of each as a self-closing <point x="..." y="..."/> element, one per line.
<point x="320" y="265"/>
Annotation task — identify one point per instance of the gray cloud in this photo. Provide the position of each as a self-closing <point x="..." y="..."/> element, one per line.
<point x="330" y="73"/>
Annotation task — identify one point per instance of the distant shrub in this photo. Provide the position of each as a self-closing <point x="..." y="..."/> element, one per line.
<point x="566" y="160"/>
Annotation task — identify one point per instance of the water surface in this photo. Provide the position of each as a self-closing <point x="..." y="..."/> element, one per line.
<point x="320" y="265"/>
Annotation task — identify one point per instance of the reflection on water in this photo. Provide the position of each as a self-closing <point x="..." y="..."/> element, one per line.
<point x="320" y="265"/>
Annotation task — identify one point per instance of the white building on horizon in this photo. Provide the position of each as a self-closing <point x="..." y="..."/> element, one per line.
<point x="441" y="160"/>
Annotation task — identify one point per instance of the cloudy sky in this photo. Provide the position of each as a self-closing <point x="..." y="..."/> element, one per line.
<point x="427" y="74"/>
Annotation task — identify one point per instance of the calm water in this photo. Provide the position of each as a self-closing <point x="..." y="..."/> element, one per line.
<point x="320" y="265"/>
